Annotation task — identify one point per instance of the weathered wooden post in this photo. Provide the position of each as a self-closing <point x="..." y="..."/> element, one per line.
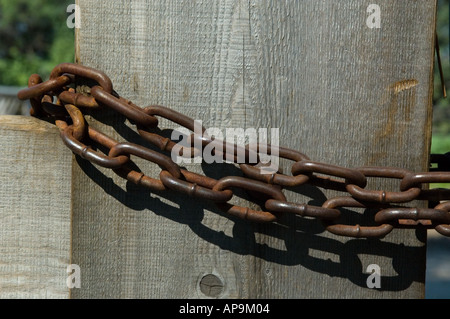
<point x="34" y="210"/>
<point x="346" y="82"/>
<point x="340" y="90"/>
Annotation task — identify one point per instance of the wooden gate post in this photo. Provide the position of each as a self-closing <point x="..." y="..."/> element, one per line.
<point x="346" y="82"/>
<point x="35" y="211"/>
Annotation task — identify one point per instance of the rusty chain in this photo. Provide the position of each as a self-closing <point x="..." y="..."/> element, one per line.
<point x="56" y="100"/>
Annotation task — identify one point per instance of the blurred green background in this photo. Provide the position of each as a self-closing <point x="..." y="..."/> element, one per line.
<point x="441" y="110"/>
<point x="33" y="36"/>
<point x="440" y="143"/>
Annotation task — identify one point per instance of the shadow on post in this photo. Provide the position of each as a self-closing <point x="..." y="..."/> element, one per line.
<point x="299" y="235"/>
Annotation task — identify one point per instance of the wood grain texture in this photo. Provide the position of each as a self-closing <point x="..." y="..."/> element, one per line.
<point x="35" y="202"/>
<point x="338" y="91"/>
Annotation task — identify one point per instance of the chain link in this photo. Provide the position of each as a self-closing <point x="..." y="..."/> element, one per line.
<point x="266" y="188"/>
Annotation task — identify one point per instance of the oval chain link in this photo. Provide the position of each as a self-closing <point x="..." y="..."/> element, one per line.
<point x="76" y="134"/>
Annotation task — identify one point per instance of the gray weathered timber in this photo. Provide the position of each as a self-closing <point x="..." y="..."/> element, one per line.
<point x="338" y="91"/>
<point x="10" y="104"/>
<point x="35" y="221"/>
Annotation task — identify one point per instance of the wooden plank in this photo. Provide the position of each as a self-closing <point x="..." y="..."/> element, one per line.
<point x="10" y="104"/>
<point x="35" y="201"/>
<point x="339" y="91"/>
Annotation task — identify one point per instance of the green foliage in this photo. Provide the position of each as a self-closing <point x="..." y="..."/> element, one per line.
<point x="34" y="37"/>
<point x="440" y="144"/>
<point x="441" y="111"/>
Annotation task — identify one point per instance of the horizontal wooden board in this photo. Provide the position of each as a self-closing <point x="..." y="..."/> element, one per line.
<point x="35" y="210"/>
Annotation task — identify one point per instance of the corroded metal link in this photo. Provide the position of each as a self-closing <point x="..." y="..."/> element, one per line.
<point x="79" y="124"/>
<point x="277" y="178"/>
<point x="89" y="154"/>
<point x="202" y="180"/>
<point x="415" y="180"/>
<point x="193" y="145"/>
<point x="303" y="210"/>
<point x="351" y="176"/>
<point x="140" y="179"/>
<point x="186" y="148"/>
<point x="130" y="111"/>
<point x="399" y="215"/>
<point x="226" y="151"/>
<point x="102" y="139"/>
<point x="382" y="196"/>
<point x="44" y="87"/>
<point x="36" y="107"/>
<point x="443" y="229"/>
<point x="34" y="79"/>
<point x="174" y="116"/>
<point x="148" y="154"/>
<point x="356" y="231"/>
<point x="145" y="153"/>
<point x="166" y="144"/>
<point x="194" y="189"/>
<point x="78" y="99"/>
<point x="101" y="78"/>
<point x="250" y="185"/>
<point x="259" y="182"/>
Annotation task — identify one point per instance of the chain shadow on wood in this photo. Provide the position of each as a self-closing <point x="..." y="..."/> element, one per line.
<point x="299" y="235"/>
